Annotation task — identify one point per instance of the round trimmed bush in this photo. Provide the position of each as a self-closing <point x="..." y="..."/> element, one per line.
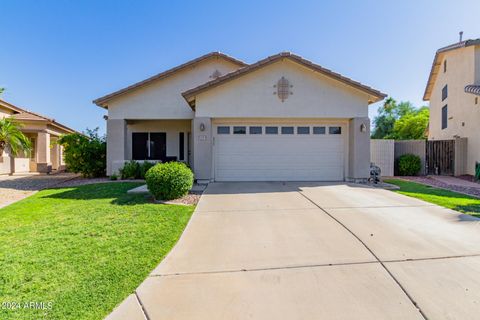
<point x="171" y="180"/>
<point x="409" y="165"/>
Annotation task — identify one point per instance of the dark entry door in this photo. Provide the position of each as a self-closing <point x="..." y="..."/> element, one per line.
<point x="158" y="145"/>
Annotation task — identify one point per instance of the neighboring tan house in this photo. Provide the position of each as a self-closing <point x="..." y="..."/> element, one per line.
<point x="283" y="118"/>
<point x="453" y="89"/>
<point x="46" y="155"/>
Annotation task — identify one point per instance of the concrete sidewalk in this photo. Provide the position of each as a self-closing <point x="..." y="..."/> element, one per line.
<point x="314" y="251"/>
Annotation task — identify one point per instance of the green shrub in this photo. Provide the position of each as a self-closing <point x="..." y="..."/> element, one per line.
<point x="130" y="170"/>
<point x="409" y="165"/>
<point x="85" y="154"/>
<point x="144" y="167"/>
<point x="114" y="177"/>
<point x="135" y="170"/>
<point x="169" y="180"/>
<point x="477" y="171"/>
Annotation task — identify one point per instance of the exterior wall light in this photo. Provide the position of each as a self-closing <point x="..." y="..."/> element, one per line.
<point x="363" y="127"/>
<point x="202" y="126"/>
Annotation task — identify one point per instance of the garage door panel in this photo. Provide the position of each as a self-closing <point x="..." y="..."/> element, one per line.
<point x="327" y="174"/>
<point x="279" y="161"/>
<point x="279" y="157"/>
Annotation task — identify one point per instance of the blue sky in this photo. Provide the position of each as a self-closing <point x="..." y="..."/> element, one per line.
<point x="57" y="56"/>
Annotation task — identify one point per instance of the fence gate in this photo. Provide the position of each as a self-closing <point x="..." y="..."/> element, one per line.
<point x="440" y="157"/>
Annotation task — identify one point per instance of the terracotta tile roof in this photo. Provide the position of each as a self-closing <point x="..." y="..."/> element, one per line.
<point x="377" y="95"/>
<point x="101" y="102"/>
<point x="28" y="116"/>
<point x="25" y="115"/>
<point x="473" y="89"/>
<point x="437" y="61"/>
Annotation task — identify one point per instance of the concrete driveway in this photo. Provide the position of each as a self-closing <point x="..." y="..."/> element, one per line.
<point x="315" y="251"/>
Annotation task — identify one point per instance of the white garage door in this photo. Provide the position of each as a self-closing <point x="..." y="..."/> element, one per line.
<point x="279" y="152"/>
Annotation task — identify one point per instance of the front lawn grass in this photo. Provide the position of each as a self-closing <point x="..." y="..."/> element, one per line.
<point x="83" y="249"/>
<point x="445" y="198"/>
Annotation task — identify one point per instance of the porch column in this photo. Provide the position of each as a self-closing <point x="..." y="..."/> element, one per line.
<point x="116" y="144"/>
<point x="44" y="164"/>
<point x="359" y="149"/>
<point x="202" y="149"/>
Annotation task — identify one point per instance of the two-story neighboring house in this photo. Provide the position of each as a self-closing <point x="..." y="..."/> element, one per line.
<point x="453" y="89"/>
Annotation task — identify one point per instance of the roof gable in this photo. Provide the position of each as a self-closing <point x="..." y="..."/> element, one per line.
<point x="437" y="61"/>
<point x="102" y="101"/>
<point x="190" y="94"/>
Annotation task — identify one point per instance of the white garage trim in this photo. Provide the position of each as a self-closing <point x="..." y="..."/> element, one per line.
<point x="311" y="156"/>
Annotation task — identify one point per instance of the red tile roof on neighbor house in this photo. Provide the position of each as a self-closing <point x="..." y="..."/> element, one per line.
<point x="25" y="115"/>
<point x="102" y="102"/>
<point x="437" y="61"/>
<point x="375" y="94"/>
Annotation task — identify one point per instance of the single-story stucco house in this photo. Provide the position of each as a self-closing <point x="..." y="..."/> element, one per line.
<point x="283" y="118"/>
<point x="46" y="155"/>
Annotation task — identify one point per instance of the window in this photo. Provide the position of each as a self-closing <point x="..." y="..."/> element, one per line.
<point x="303" y="130"/>
<point x="271" y="130"/>
<point x="223" y="130"/>
<point x="140" y="145"/>
<point x="476" y="100"/>
<point x="444" y="117"/>
<point x="444" y="66"/>
<point x="287" y="130"/>
<point x="181" y="143"/>
<point x="255" y="130"/>
<point x="444" y="92"/>
<point x="239" y="130"/>
<point x="318" y="130"/>
<point x="334" y="130"/>
<point x="149" y="145"/>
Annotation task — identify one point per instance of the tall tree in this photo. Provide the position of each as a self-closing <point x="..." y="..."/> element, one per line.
<point x="413" y="125"/>
<point x="384" y="122"/>
<point x="400" y="121"/>
<point x="12" y="137"/>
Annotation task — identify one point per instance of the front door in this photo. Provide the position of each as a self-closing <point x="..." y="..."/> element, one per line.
<point x="158" y="146"/>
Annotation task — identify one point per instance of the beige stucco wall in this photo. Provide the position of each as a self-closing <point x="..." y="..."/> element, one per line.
<point x="5" y="164"/>
<point x="4" y="112"/>
<point x="252" y="95"/>
<point x="477" y="65"/>
<point x="463" y="114"/>
<point x="162" y="99"/>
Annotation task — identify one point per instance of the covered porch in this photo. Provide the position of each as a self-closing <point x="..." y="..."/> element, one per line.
<point x="147" y="140"/>
<point x="46" y="154"/>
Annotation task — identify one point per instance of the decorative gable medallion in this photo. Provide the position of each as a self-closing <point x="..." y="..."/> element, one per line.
<point x="283" y="89"/>
<point x="215" y="74"/>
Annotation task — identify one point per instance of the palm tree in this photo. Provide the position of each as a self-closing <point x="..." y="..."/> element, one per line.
<point x="12" y="137"/>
